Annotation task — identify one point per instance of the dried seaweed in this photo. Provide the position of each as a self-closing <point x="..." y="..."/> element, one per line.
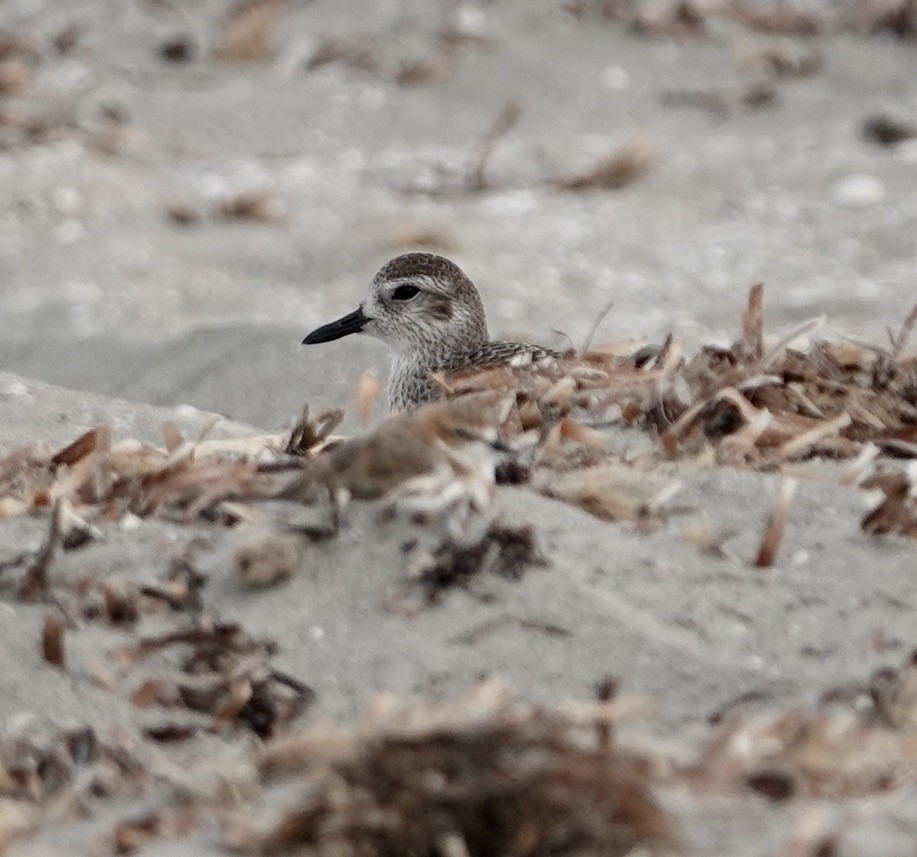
<point x="42" y="767"/>
<point x="482" y="775"/>
<point x="224" y="673"/>
<point x="501" y="549"/>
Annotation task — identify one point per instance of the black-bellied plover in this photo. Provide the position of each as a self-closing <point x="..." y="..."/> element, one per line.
<point x="431" y="314"/>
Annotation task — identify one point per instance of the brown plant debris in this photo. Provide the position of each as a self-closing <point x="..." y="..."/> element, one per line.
<point x="223" y="673"/>
<point x="779" y="18"/>
<point x="776" y="524"/>
<point x="52" y="640"/>
<point x="895" y="17"/>
<point x="857" y="740"/>
<point x="676" y="19"/>
<point x="783" y="59"/>
<point x="179" y="48"/>
<point x="482" y="775"/>
<point x="896" y="511"/>
<point x="620" y="169"/>
<point x="103" y="481"/>
<point x="308" y="435"/>
<point x="357" y="53"/>
<point x="260" y="206"/>
<point x="249" y="32"/>
<point x="42" y="767"/>
<point x="501" y="549"/>
<point x="888" y="130"/>
<point x="15" y="76"/>
<point x="421" y="72"/>
<point x="613" y="491"/>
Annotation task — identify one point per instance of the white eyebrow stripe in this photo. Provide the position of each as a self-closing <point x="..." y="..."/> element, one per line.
<point x="427" y="283"/>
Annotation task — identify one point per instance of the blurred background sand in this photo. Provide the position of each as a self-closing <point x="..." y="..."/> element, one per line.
<point x="347" y="139"/>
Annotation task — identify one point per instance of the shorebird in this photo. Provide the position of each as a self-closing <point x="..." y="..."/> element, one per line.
<point x="431" y="314"/>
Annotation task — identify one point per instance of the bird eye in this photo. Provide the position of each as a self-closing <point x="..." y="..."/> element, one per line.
<point x="404" y="293"/>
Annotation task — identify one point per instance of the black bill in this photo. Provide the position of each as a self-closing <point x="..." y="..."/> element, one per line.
<point x="353" y="323"/>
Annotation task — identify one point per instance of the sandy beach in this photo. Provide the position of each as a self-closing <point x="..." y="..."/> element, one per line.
<point x="188" y="192"/>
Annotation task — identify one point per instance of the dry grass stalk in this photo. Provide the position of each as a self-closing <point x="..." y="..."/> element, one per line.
<point x="35" y="581"/>
<point x="776" y="523"/>
<point x="53" y="649"/>
<point x="752" y="345"/>
<point x="355" y="52"/>
<point x="504" y="123"/>
<point x="778" y="19"/>
<point x="676" y="19"/>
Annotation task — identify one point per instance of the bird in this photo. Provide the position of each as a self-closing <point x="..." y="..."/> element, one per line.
<point x="430" y="313"/>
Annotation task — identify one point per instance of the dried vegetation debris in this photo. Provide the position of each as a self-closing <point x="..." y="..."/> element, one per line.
<point x="218" y="672"/>
<point x="249" y="31"/>
<point x="896" y="510"/>
<point x="36" y="106"/>
<point x="620" y="169"/>
<point x="57" y="776"/>
<point x="403" y="53"/>
<point x="856" y="740"/>
<point x="757" y="404"/>
<point x="472" y="173"/>
<point x="482" y="775"/>
<point x="223" y="673"/>
<point x="681" y="19"/>
<point x="497" y="547"/>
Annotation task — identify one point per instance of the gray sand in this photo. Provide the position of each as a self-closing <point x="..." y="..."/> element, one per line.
<point x="697" y="633"/>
